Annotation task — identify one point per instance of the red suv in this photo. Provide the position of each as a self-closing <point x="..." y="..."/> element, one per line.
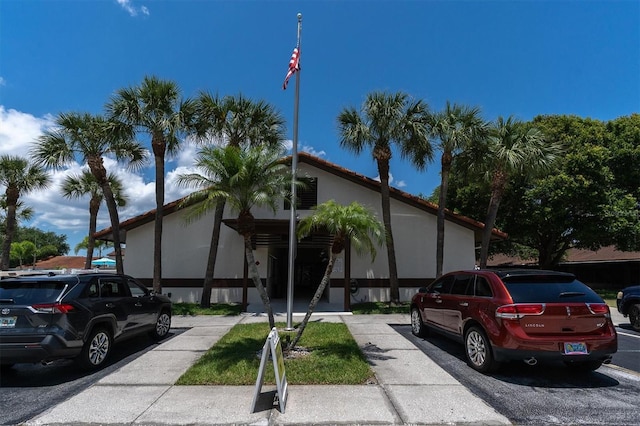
<point x="527" y="315"/>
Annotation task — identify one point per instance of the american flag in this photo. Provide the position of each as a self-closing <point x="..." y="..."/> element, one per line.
<point x="294" y="65"/>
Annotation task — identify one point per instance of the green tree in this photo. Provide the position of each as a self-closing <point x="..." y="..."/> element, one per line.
<point x="245" y="177"/>
<point x="89" y="138"/>
<point x="44" y="239"/>
<point x="99" y="245"/>
<point x="86" y="184"/>
<point x="383" y="120"/>
<point x="156" y="108"/>
<point x="22" y="251"/>
<point x="511" y="149"/>
<point x="19" y="177"/>
<point x="346" y="224"/>
<point x="233" y="121"/>
<point x="455" y="128"/>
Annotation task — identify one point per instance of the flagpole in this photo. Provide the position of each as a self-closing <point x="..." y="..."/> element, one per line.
<point x="293" y="218"/>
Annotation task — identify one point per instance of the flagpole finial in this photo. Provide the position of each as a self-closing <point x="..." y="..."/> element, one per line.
<point x="299" y="16"/>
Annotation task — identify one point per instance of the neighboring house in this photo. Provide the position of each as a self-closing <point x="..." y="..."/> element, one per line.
<point x="606" y="268"/>
<point x="186" y="245"/>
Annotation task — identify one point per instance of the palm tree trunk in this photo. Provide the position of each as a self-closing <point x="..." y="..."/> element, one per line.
<point x="255" y="276"/>
<point x="205" y="301"/>
<point x="442" y="201"/>
<point x="314" y="301"/>
<point x="158" y="151"/>
<point x="12" y="201"/>
<point x="492" y="213"/>
<point x="94" y="206"/>
<point x="383" y="169"/>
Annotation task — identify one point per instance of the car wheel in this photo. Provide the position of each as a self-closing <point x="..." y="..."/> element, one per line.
<point x="478" y="350"/>
<point x="634" y="317"/>
<point x="417" y="326"/>
<point x="583" y="366"/>
<point x="163" y="324"/>
<point x="95" y="350"/>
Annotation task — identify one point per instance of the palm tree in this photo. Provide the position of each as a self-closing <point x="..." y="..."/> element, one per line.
<point x="86" y="183"/>
<point x="346" y="224"/>
<point x="98" y="245"/>
<point x="234" y="121"/>
<point x="455" y="129"/>
<point x="155" y="107"/>
<point x="19" y="177"/>
<point x="89" y="138"/>
<point x="387" y="118"/>
<point x="245" y="177"/>
<point x="510" y="149"/>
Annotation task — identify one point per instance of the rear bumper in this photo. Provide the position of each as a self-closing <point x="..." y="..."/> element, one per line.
<point x="36" y="348"/>
<point x="502" y="354"/>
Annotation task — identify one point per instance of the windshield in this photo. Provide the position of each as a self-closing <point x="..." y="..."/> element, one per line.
<point x="560" y="291"/>
<point x="28" y="292"/>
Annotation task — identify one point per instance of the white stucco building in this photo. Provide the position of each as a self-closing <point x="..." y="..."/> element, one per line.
<point x="185" y="246"/>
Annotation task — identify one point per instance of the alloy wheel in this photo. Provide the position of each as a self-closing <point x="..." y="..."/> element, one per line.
<point x="99" y="348"/>
<point x="476" y="348"/>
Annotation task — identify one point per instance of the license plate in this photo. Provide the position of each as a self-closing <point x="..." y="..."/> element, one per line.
<point x="8" y="322"/>
<point x="574" y="348"/>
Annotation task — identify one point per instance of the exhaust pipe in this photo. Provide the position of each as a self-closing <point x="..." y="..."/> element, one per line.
<point x="530" y="361"/>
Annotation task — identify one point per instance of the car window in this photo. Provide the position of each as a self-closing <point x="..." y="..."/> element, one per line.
<point x="461" y="283"/>
<point x="136" y="289"/>
<point x="27" y="292"/>
<point x="483" y="289"/>
<point x="550" y="291"/>
<point x="92" y="289"/>
<point x="112" y="287"/>
<point x="442" y="285"/>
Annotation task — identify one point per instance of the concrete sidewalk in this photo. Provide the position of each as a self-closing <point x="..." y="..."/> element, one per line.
<point x="411" y="388"/>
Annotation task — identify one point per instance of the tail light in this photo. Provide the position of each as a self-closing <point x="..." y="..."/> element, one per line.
<point x="517" y="311"/>
<point x="53" y="308"/>
<point x="598" y="309"/>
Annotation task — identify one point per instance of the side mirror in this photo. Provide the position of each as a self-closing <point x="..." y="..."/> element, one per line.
<point x="422" y="290"/>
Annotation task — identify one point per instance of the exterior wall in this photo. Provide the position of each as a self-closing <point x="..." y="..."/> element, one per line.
<point x="186" y="246"/>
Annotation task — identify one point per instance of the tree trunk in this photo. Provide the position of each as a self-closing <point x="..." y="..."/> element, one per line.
<point x="394" y="288"/>
<point x="205" y="301"/>
<point x="442" y="201"/>
<point x="159" y="149"/>
<point x="12" y="202"/>
<point x="315" y="300"/>
<point x="255" y="276"/>
<point x="100" y="173"/>
<point x="94" y="206"/>
<point x="498" y="184"/>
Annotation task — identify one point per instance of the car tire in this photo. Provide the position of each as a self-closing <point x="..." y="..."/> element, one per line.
<point x="478" y="351"/>
<point x="634" y="316"/>
<point x="583" y="366"/>
<point x="163" y="324"/>
<point x="417" y="326"/>
<point x="96" y="349"/>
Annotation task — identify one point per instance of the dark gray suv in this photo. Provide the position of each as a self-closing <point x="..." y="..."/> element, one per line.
<point x="81" y="316"/>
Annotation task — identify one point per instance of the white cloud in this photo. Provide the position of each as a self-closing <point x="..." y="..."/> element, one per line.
<point x="288" y="145"/>
<point x="132" y="10"/>
<point x="399" y="184"/>
<point x="19" y="130"/>
<point x="3" y="82"/>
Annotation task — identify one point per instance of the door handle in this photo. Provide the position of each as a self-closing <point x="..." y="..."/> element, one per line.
<point x="438" y="300"/>
<point x="138" y="304"/>
<point x="110" y="305"/>
<point x="465" y="304"/>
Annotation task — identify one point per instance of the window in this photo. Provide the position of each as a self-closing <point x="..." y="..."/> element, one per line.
<point x="307" y="197"/>
<point x="112" y="288"/>
<point x="136" y="290"/>
<point x="483" y="289"/>
<point x="442" y="286"/>
<point x="461" y="284"/>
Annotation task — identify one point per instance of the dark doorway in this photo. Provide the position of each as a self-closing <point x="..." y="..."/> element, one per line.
<point x="310" y="265"/>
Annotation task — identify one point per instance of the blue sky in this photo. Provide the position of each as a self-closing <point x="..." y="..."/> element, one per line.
<point x="521" y="58"/>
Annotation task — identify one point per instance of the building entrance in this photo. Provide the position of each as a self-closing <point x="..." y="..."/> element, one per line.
<point x="309" y="267"/>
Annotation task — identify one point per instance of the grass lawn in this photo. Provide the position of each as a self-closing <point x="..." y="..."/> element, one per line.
<point x="334" y="358"/>
<point x="215" y="309"/>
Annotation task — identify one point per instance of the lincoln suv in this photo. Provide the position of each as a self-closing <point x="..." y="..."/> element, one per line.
<point x="81" y="316"/>
<point x="527" y="315"/>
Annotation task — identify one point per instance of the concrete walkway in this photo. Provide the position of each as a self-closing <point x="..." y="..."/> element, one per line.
<point x="411" y="388"/>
